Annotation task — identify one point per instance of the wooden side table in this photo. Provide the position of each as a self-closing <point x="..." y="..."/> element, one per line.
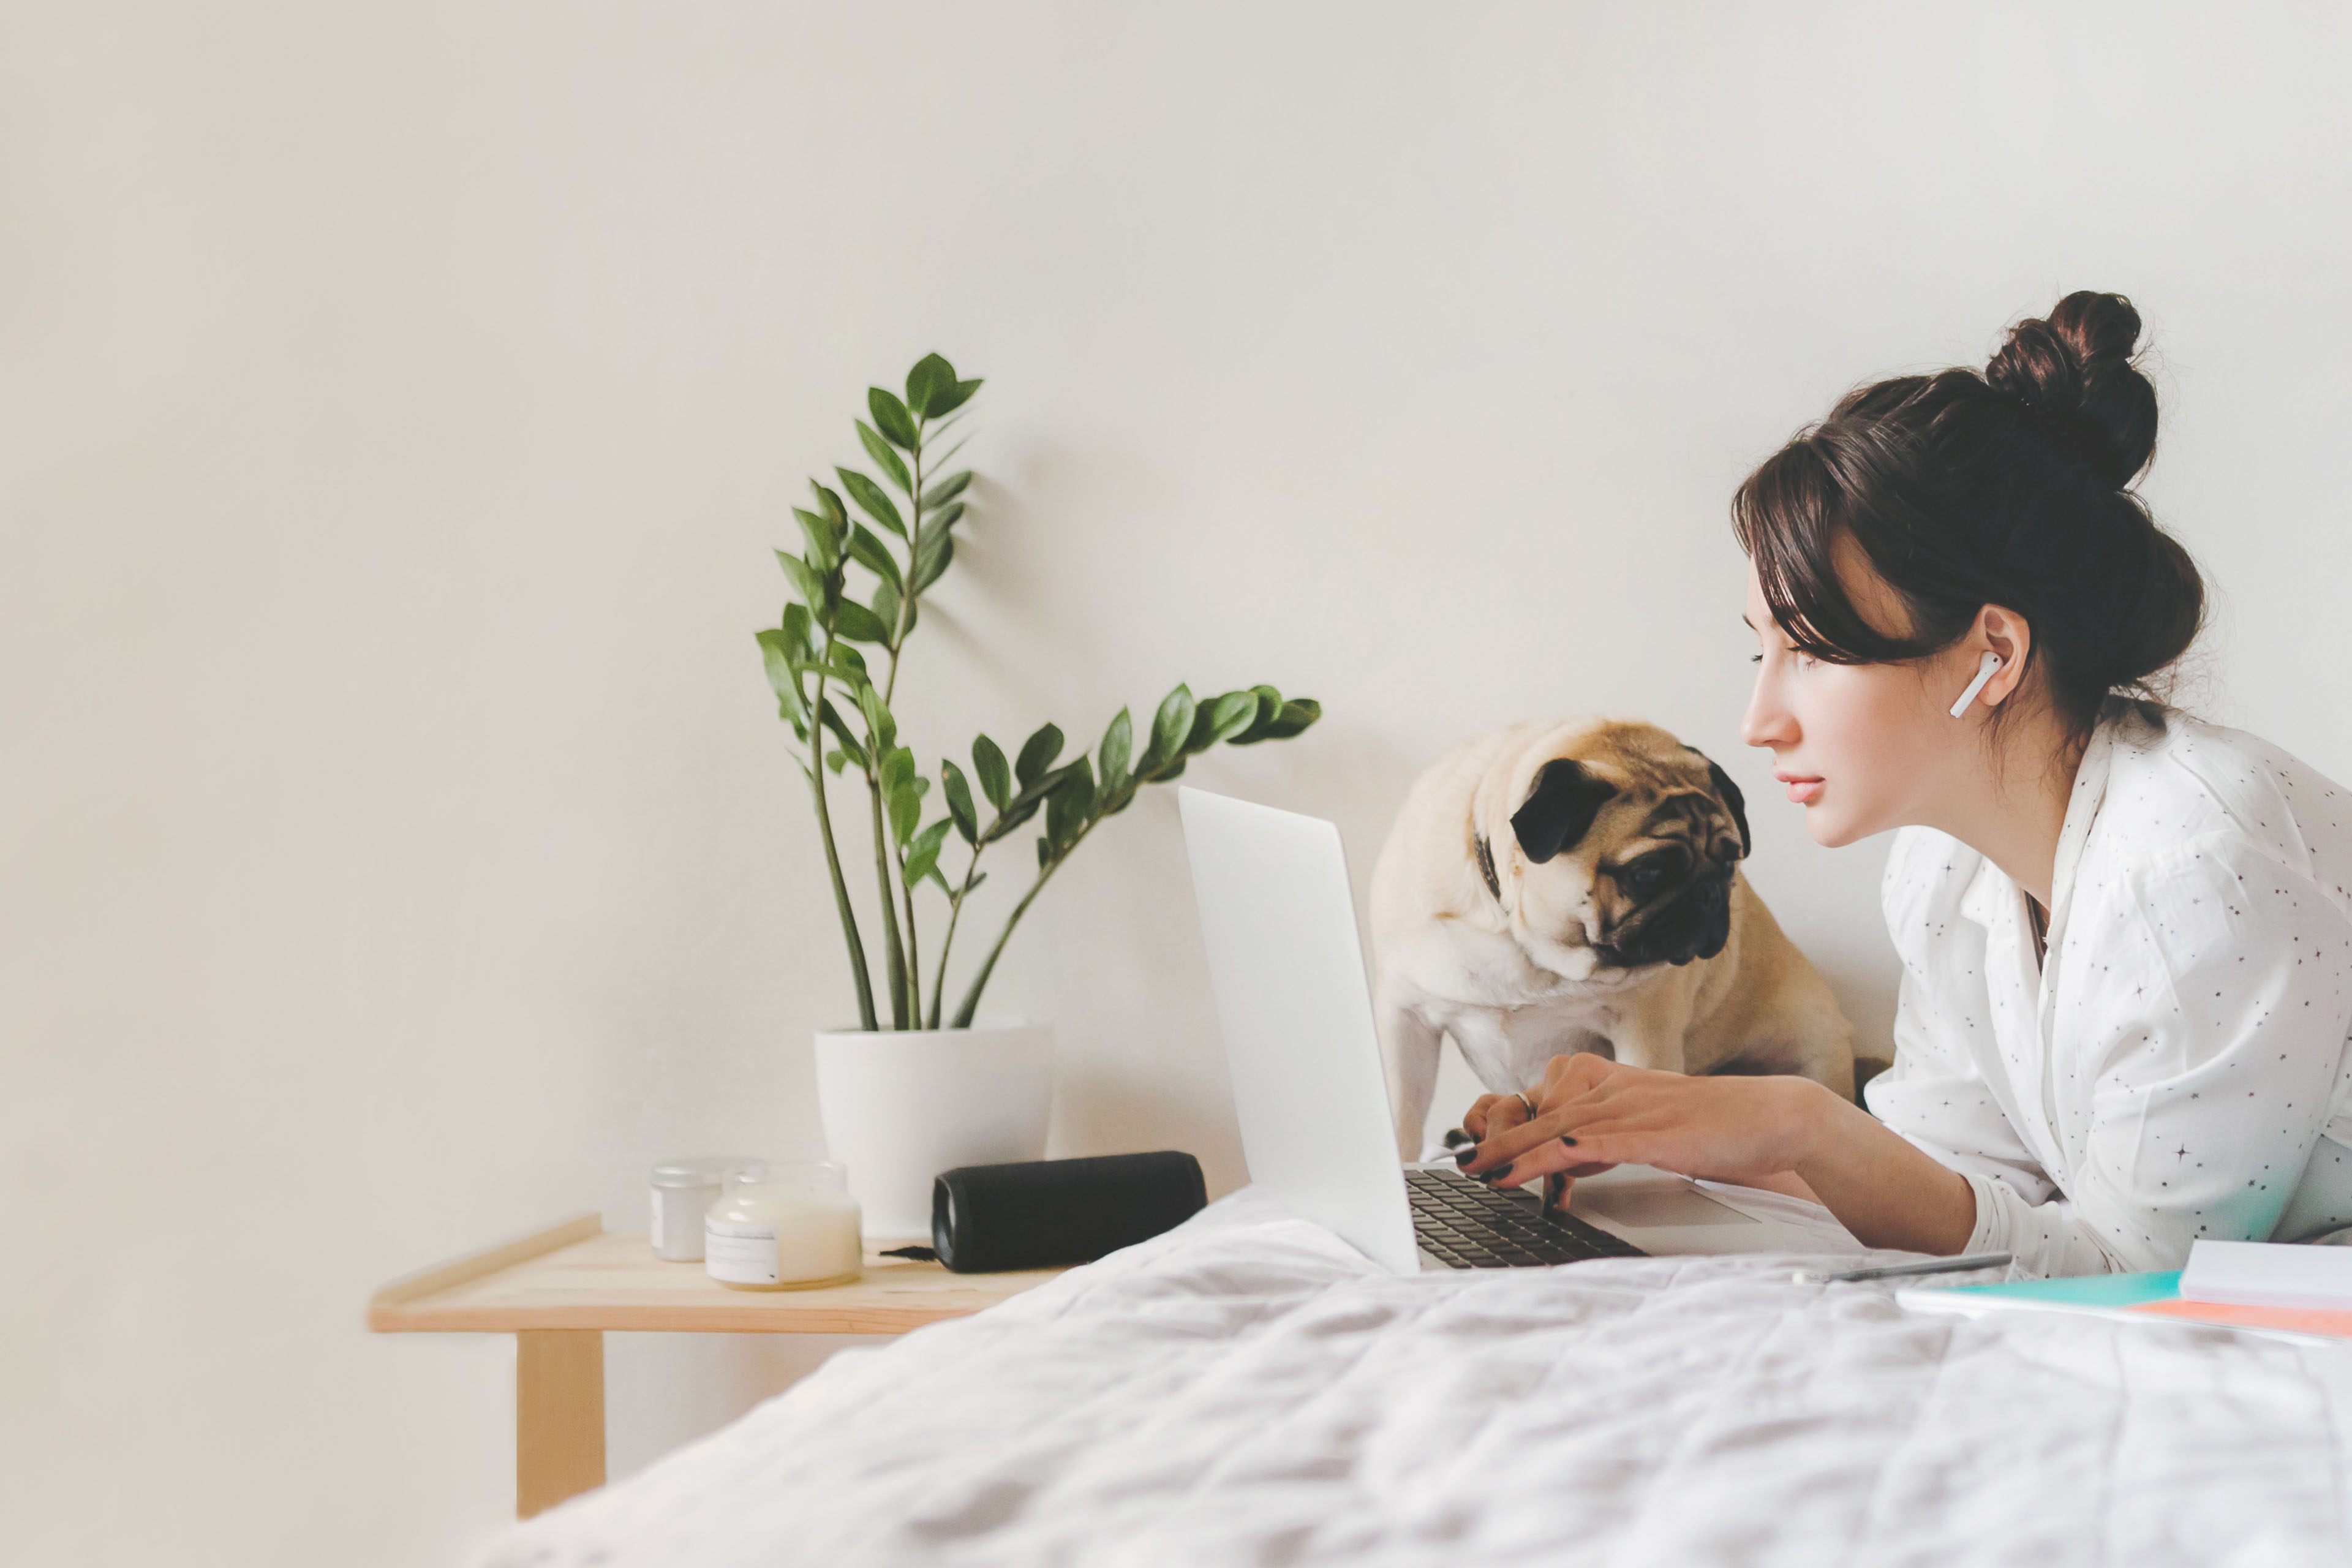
<point x="560" y="1290"/>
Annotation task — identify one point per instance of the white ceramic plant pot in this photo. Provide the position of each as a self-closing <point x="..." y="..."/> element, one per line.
<point x="900" y="1106"/>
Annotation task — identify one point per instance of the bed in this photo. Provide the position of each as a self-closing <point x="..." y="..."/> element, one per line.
<point x="1245" y="1389"/>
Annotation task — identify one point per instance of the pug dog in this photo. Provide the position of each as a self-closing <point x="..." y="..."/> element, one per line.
<point x="1575" y="886"/>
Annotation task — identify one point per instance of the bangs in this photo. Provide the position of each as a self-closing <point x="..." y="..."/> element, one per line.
<point x="1788" y="518"/>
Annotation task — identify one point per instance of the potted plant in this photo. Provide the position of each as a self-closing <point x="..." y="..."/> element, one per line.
<point x="914" y="1089"/>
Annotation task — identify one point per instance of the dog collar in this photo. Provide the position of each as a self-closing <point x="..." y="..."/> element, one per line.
<point x="1487" y="866"/>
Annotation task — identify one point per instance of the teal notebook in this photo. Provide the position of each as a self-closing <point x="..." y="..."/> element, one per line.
<point x="2092" y="1292"/>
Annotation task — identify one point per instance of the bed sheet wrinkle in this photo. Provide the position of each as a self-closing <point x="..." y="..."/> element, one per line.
<point x="1244" y="1391"/>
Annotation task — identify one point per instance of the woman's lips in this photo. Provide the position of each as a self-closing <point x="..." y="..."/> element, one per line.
<point x="1804" y="792"/>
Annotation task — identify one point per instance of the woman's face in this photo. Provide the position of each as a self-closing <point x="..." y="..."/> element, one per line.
<point x="1863" y="748"/>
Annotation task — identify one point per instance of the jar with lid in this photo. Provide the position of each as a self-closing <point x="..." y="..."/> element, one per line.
<point x="683" y="1192"/>
<point x="789" y="1227"/>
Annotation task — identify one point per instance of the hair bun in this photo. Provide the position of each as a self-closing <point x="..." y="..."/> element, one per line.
<point x="2076" y="366"/>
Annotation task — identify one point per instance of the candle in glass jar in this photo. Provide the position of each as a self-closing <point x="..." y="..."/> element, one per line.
<point x="789" y="1227"/>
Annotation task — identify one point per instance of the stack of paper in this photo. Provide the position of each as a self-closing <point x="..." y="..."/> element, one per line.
<point x="2267" y="1288"/>
<point x="2264" y="1274"/>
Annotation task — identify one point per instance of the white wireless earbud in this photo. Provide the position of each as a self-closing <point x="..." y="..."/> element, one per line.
<point x="1985" y="667"/>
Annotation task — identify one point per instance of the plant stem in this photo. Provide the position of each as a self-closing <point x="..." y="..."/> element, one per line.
<point x="971" y="1004"/>
<point x="833" y="854"/>
<point x="907" y="599"/>
<point x="889" y="686"/>
<point x="914" y="957"/>
<point x="955" y="913"/>
<point x="896" y="956"/>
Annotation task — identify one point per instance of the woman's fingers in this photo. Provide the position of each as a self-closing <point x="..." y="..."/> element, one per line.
<point x="1541" y="1154"/>
<point x="1567" y="1076"/>
<point x="1504" y="1143"/>
<point x="1492" y="1115"/>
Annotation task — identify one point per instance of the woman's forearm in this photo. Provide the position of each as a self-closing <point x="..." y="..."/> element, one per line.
<point x="1878" y="1184"/>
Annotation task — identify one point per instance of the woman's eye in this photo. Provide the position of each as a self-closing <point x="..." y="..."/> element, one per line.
<point x="1755" y="658"/>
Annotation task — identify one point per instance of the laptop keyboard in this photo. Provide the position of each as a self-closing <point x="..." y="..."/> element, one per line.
<point x="1468" y="1225"/>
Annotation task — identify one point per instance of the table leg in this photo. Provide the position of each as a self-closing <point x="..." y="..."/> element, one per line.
<point x="559" y="1416"/>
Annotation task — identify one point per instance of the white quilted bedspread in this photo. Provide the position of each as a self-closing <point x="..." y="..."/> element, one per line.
<point x="1247" y="1390"/>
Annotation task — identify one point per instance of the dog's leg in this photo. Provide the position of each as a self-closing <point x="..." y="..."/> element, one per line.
<point x="1413" y="1043"/>
<point x="1653" y="1028"/>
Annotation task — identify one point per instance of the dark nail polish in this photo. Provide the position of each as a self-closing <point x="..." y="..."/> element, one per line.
<point x="1464" y="1156"/>
<point x="1498" y="1174"/>
<point x="1456" y="1137"/>
<point x="1567" y="1140"/>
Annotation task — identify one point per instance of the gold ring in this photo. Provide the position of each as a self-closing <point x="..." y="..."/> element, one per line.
<point x="1529" y="1103"/>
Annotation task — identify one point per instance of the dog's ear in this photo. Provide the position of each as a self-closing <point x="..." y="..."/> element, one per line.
<point x="1567" y="798"/>
<point x="1728" y="792"/>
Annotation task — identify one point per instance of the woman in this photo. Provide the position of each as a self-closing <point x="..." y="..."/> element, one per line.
<point x="2126" y="935"/>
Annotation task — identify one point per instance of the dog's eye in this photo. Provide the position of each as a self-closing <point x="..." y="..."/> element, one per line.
<point x="1644" y="877"/>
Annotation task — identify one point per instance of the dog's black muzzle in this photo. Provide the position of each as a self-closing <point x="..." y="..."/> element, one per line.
<point x="1694" y="922"/>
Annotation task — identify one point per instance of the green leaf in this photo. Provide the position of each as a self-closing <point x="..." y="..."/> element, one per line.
<point x="799" y="631"/>
<point x="955" y="397"/>
<point x="947" y="490"/>
<point x="930" y="839"/>
<point x="973" y="886"/>
<point x="1072" y="805"/>
<point x="776" y="652"/>
<point x="1037" y="754"/>
<point x="806" y="581"/>
<point x="995" y="778"/>
<point x="1169" y="728"/>
<point x="932" y="557"/>
<point x="885" y="606"/>
<point x="884" y="457"/>
<point x="1269" y="704"/>
<point x="891" y="418"/>
<point x="858" y="623"/>
<point x="1116" y="743"/>
<point x="823" y="543"/>
<point x="836" y="513"/>
<point x="849" y="655"/>
<point x="882" y="727"/>
<point x="873" y="554"/>
<point x="1295" y="717"/>
<point x="932" y="378"/>
<point x="906" y="811"/>
<point x="958" y="793"/>
<point x="849" y="743"/>
<point x="948" y="516"/>
<point x="1231" y="714"/>
<point x="876" y="502"/>
<point x="836" y="760"/>
<point x="941" y="882"/>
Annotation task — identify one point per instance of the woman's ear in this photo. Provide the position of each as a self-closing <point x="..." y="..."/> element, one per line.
<point x="2007" y="635"/>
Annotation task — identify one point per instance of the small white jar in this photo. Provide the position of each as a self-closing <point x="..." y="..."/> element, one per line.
<point x="684" y="1191"/>
<point x="791" y="1227"/>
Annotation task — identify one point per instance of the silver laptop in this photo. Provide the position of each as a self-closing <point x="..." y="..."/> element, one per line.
<point x="1289" y="972"/>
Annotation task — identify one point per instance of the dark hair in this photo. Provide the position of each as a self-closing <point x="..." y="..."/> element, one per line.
<point x="2008" y="488"/>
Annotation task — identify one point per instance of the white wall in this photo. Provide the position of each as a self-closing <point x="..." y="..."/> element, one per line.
<point x="398" y="403"/>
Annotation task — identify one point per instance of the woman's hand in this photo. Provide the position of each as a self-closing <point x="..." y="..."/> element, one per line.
<point x="1592" y="1113"/>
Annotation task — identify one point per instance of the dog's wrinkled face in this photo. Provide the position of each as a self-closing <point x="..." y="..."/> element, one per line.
<point x="1626" y="855"/>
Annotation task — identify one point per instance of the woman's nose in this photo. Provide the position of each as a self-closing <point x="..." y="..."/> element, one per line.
<point x="1767" y="722"/>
